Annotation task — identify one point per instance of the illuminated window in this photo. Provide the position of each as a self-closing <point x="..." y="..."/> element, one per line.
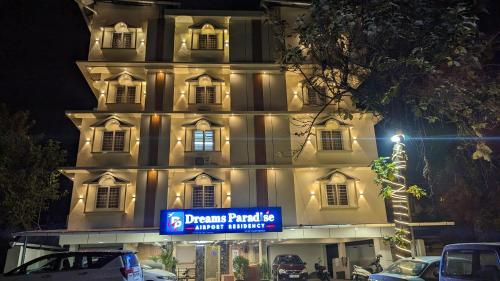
<point x="113" y="141"/>
<point x="331" y="140"/>
<point x="108" y="197"/>
<point x="203" y="140"/>
<point x="203" y="196"/>
<point x="336" y="195"/>
<point x="205" y="95"/>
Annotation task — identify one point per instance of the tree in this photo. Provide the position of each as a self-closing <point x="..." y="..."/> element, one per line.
<point x="422" y="65"/>
<point x="28" y="172"/>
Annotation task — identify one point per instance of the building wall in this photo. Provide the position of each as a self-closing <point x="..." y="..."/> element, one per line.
<point x="256" y="163"/>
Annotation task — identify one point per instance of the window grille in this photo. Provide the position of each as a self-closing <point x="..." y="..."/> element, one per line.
<point x="120" y="94"/>
<point x="208" y="41"/>
<point x="108" y="197"/>
<point x="203" y="140"/>
<point x="331" y="140"/>
<point x="122" y="40"/>
<point x="203" y="196"/>
<point x="113" y="141"/>
<point x="205" y="95"/>
<point x="336" y="195"/>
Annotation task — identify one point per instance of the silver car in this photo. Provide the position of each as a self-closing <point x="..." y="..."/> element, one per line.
<point x="79" y="266"/>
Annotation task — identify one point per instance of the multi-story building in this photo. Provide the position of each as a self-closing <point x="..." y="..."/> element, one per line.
<point x="193" y="112"/>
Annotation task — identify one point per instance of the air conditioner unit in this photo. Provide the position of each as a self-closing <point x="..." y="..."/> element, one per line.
<point x="202" y="161"/>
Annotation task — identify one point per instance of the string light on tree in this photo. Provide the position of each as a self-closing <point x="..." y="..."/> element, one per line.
<point x="400" y="202"/>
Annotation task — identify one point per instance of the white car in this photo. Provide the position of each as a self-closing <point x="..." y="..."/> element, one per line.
<point x="79" y="266"/>
<point x="155" y="274"/>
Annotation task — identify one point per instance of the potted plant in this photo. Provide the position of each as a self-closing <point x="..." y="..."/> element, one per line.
<point x="240" y="268"/>
<point x="167" y="258"/>
<point x="264" y="271"/>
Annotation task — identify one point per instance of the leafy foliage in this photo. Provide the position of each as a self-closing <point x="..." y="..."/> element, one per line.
<point x="240" y="267"/>
<point x="397" y="239"/>
<point x="425" y="67"/>
<point x="416" y="191"/>
<point x="28" y="172"/>
<point x="167" y="257"/>
<point x="264" y="270"/>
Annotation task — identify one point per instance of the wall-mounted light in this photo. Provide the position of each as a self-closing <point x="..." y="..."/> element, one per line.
<point x="87" y="140"/>
<point x="137" y="140"/>
<point x="133" y="197"/>
<point x="227" y="43"/>
<point x="177" y="195"/>
<point x="227" y="139"/>
<point x="308" y="139"/>
<point x="227" y="93"/>
<point x="228" y="194"/>
<point x="361" y="193"/>
<point x="142" y="41"/>
<point x="183" y="44"/>
<point x="183" y="93"/>
<point x="80" y="198"/>
<point x="354" y="138"/>
<point x="295" y="93"/>
<point x="312" y="193"/>
<point x="179" y="140"/>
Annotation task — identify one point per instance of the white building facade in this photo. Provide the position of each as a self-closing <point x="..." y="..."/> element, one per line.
<point x="194" y="113"/>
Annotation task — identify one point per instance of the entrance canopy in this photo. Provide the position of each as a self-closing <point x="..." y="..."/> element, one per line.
<point x="149" y="235"/>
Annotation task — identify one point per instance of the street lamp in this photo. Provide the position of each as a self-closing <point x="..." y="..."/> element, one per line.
<point x="400" y="203"/>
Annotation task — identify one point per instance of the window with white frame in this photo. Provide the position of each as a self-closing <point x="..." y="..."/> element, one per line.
<point x="113" y="141"/>
<point x="203" y="196"/>
<point x="108" y="197"/>
<point x="122" y="40"/>
<point x="203" y="140"/>
<point x="207" y="37"/>
<point x="205" y="94"/>
<point x="119" y="36"/>
<point x="125" y="94"/>
<point x="336" y="195"/>
<point x="331" y="140"/>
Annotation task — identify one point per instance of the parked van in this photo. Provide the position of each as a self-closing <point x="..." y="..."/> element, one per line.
<point x="471" y="262"/>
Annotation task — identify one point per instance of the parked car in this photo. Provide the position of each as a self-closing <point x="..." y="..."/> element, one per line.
<point x="76" y="266"/>
<point x="289" y="267"/>
<point x="152" y="274"/>
<point x="411" y="269"/>
<point x="471" y="262"/>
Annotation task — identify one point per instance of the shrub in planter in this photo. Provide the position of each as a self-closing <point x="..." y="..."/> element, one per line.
<point x="264" y="271"/>
<point x="240" y="268"/>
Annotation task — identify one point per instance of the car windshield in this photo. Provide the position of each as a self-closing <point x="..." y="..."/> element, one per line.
<point x="407" y="267"/>
<point x="289" y="260"/>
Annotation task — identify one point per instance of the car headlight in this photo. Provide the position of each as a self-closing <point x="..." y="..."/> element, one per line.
<point x="281" y="271"/>
<point x="304" y="271"/>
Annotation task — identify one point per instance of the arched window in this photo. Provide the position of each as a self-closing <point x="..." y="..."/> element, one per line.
<point x="207" y="35"/>
<point x="119" y="36"/>
<point x="338" y="190"/>
<point x="204" y="191"/>
<point x="111" y="135"/>
<point x="333" y="135"/>
<point x="205" y="89"/>
<point x="106" y="192"/>
<point x="203" y="135"/>
<point x="124" y="88"/>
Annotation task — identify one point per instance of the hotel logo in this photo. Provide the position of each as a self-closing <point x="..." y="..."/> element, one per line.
<point x="175" y="222"/>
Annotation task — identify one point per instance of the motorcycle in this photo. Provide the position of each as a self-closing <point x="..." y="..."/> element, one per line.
<point x="362" y="273"/>
<point x="321" y="272"/>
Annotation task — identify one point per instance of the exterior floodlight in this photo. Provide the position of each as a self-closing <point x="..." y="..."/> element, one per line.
<point x="398" y="138"/>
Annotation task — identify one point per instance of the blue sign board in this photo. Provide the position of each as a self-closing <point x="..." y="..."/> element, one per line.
<point x="220" y="220"/>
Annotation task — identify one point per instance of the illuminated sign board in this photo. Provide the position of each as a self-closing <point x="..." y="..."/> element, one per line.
<point x="220" y="220"/>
